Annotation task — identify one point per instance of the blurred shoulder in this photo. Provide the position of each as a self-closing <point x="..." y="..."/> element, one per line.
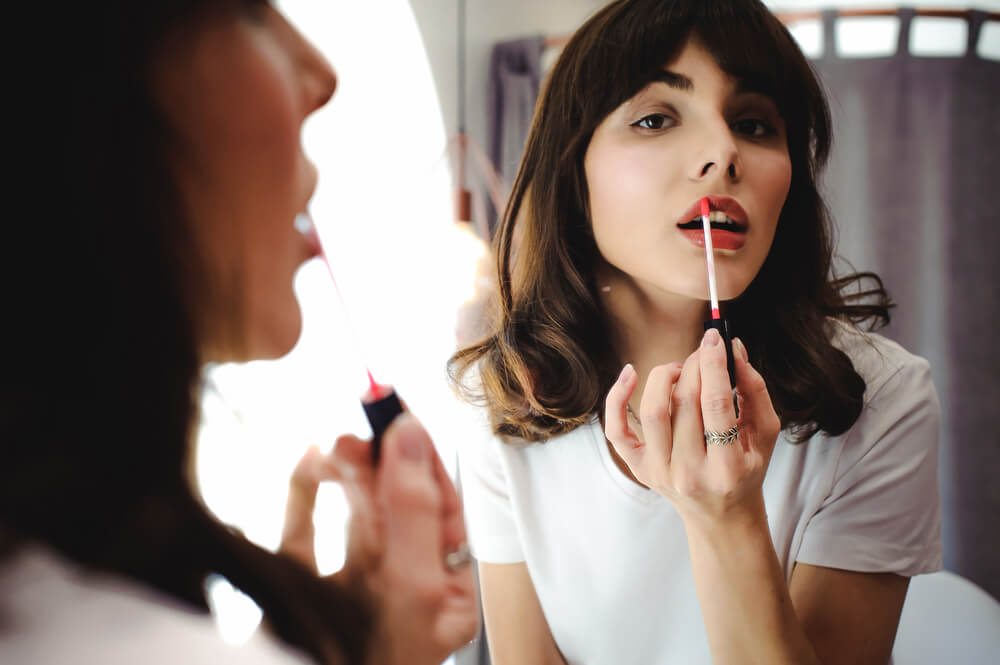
<point x="53" y="611"/>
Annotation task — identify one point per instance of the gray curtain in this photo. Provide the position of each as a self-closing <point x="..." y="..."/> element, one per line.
<point x="513" y="85"/>
<point x="911" y="187"/>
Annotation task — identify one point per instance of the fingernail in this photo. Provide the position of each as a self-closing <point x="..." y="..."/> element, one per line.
<point x="625" y="373"/>
<point x="412" y="444"/>
<point x="740" y="349"/>
<point x="711" y="337"/>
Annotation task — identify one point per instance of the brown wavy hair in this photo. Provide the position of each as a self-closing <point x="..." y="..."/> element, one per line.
<point x="547" y="364"/>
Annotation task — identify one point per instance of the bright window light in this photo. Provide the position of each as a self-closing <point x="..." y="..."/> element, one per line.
<point x="939" y="37"/>
<point x="867" y="37"/>
<point x="809" y="35"/>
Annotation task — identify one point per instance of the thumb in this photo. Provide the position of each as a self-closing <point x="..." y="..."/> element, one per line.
<point x="410" y="498"/>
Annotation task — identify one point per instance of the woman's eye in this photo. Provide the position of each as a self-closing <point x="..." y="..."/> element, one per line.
<point x="753" y="127"/>
<point x="654" y="121"/>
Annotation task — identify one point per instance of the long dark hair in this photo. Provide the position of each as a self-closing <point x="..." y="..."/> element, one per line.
<point x="547" y="365"/>
<point x="99" y="393"/>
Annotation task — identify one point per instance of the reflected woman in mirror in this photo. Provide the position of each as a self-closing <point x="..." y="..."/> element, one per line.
<point x="620" y="508"/>
<point x="166" y="239"/>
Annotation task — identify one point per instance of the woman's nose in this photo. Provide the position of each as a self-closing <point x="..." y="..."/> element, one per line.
<point x="730" y="169"/>
<point x="320" y="79"/>
<point x="718" y="157"/>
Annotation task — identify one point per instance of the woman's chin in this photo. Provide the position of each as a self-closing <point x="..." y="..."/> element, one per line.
<point x="281" y="341"/>
<point x="269" y="342"/>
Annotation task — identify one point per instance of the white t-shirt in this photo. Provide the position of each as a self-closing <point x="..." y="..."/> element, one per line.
<point x="53" y="613"/>
<point x="609" y="559"/>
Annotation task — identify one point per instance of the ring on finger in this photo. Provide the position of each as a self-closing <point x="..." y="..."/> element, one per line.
<point x="458" y="557"/>
<point x="722" y="438"/>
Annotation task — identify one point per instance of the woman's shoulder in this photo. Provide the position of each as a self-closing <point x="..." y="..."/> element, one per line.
<point x="876" y="506"/>
<point x="485" y="452"/>
<point x="879" y="360"/>
<point x="901" y="413"/>
<point x="54" y="611"/>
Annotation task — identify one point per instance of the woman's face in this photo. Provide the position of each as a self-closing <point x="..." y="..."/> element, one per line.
<point x="236" y="90"/>
<point x="696" y="132"/>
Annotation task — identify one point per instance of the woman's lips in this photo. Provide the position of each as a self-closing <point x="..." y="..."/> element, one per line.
<point x="720" y="239"/>
<point x="304" y="225"/>
<point x="724" y="204"/>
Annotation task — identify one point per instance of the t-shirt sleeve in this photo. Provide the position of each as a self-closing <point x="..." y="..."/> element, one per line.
<point x="883" y="513"/>
<point x="489" y="514"/>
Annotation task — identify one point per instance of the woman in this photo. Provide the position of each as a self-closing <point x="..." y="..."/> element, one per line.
<point x="626" y="514"/>
<point x="169" y="243"/>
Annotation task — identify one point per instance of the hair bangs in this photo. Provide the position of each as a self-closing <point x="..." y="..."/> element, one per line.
<point x="751" y="45"/>
<point x="629" y="43"/>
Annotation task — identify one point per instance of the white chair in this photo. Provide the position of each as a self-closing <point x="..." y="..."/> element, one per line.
<point x="947" y="620"/>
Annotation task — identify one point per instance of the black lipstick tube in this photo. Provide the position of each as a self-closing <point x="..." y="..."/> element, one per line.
<point x="380" y="413"/>
<point x="722" y="325"/>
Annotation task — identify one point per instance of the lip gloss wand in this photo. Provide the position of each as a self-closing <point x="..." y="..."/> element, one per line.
<point x="380" y="403"/>
<point x="717" y="322"/>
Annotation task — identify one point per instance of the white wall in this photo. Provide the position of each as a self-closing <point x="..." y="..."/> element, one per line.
<point x="488" y="22"/>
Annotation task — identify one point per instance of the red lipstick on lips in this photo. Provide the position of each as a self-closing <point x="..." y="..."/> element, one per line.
<point x="723" y="236"/>
<point x="720" y="239"/>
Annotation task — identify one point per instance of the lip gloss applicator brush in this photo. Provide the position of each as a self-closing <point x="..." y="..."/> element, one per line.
<point x="380" y="403"/>
<point x="717" y="322"/>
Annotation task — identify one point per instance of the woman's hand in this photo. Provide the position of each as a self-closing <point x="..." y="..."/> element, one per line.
<point x="406" y="519"/>
<point x="706" y="482"/>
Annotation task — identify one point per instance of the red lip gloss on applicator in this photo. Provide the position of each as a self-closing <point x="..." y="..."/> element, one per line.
<point x="380" y="403"/>
<point x="717" y="322"/>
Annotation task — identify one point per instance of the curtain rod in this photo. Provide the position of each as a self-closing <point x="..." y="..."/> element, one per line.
<point x="803" y="15"/>
<point x="816" y="14"/>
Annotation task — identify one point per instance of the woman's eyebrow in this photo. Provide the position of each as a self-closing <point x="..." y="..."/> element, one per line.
<point x="746" y="83"/>
<point x="758" y="85"/>
<point x="673" y="79"/>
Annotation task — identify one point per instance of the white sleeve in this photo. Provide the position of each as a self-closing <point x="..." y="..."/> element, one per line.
<point x="489" y="515"/>
<point x="883" y="513"/>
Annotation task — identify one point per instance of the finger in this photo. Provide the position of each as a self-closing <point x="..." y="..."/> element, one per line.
<point x="453" y="533"/>
<point x="654" y="412"/>
<point x="717" y="411"/>
<point x="626" y="442"/>
<point x="756" y="410"/>
<point x="409" y="499"/>
<point x="351" y="457"/>
<point x="688" y="429"/>
<point x="298" y="532"/>
<point x="452" y="519"/>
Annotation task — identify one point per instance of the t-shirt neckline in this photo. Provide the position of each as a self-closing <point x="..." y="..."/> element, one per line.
<point x="632" y="490"/>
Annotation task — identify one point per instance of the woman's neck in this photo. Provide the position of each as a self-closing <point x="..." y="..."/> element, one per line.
<point x="649" y="328"/>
